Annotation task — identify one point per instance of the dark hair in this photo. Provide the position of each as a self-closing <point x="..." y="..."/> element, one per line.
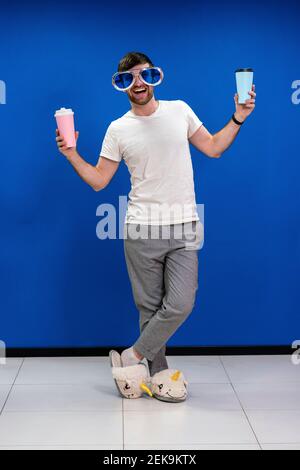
<point x="131" y="59"/>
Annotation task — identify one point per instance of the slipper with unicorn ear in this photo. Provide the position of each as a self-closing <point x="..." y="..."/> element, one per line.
<point x="131" y="381"/>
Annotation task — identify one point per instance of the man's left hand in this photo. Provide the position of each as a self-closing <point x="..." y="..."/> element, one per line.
<point x="242" y="111"/>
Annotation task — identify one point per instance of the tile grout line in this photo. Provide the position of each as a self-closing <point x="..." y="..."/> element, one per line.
<point x="23" y="359"/>
<point x="238" y="398"/>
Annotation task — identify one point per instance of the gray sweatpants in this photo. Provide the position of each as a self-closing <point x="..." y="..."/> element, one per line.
<point x="162" y="263"/>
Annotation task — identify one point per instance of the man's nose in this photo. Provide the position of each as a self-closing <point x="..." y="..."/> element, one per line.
<point x="138" y="80"/>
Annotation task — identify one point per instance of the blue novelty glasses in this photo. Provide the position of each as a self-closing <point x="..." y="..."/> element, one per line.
<point x="123" y="81"/>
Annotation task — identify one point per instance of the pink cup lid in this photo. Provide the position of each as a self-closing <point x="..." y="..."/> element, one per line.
<point x="63" y="112"/>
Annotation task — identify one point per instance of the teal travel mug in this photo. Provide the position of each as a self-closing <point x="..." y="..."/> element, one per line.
<point x="244" y="81"/>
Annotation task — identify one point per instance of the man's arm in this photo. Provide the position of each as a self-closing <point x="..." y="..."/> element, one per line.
<point x="97" y="176"/>
<point x="214" y="145"/>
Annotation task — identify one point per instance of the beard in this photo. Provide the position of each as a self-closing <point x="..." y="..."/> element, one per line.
<point x="141" y="101"/>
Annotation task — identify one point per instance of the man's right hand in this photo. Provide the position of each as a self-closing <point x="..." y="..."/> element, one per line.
<point x="61" y="144"/>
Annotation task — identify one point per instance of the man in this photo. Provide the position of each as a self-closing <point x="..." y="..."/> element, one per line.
<point x="153" y="139"/>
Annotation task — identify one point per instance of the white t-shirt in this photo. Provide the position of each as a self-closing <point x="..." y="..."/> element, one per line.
<point x="156" y="151"/>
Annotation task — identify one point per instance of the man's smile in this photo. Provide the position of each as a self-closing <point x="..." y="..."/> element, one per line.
<point x="139" y="92"/>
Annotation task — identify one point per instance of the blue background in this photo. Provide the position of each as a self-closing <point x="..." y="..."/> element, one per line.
<point x="63" y="287"/>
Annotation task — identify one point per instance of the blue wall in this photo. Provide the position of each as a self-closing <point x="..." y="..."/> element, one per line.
<point x="60" y="285"/>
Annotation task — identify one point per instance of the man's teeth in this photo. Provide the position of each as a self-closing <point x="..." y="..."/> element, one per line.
<point x="139" y="90"/>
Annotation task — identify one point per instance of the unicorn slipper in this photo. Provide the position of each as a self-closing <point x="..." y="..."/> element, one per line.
<point x="130" y="381"/>
<point x="169" y="385"/>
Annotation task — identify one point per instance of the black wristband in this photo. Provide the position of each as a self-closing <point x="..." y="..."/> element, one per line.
<point x="236" y="121"/>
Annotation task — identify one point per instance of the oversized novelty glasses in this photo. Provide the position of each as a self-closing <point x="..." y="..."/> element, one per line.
<point x="123" y="81"/>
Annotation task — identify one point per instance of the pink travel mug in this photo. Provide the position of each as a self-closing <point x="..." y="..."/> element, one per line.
<point x="65" y="123"/>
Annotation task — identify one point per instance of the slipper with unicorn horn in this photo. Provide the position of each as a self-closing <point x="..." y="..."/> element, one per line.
<point x="169" y="385"/>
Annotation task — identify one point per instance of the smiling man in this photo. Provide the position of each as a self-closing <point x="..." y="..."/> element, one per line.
<point x="163" y="232"/>
<point x="141" y="93"/>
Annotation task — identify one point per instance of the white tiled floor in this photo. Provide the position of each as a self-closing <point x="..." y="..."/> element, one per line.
<point x="235" y="402"/>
